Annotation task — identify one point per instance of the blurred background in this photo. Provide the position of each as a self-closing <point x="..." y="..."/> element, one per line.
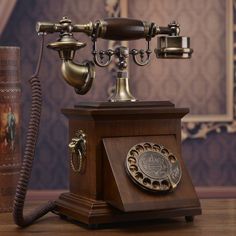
<point x="202" y="83"/>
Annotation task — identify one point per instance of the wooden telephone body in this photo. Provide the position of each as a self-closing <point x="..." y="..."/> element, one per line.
<point x="103" y="192"/>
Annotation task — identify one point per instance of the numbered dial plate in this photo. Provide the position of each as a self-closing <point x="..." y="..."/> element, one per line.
<point x="153" y="167"/>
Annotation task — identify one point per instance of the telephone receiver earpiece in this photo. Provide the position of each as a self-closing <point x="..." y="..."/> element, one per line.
<point x="79" y="76"/>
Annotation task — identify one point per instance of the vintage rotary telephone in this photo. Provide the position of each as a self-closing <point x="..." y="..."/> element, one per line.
<point x="125" y="161"/>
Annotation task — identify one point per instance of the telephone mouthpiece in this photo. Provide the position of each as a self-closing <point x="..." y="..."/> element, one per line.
<point x="173" y="47"/>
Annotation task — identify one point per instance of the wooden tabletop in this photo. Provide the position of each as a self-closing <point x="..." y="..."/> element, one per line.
<point x="219" y="218"/>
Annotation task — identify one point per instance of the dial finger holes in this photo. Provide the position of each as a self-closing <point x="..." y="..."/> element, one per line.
<point x="153" y="166"/>
<point x="172" y="158"/>
<point x="139" y="148"/>
<point x="165" y="185"/>
<point x="132" y="160"/>
<point x="139" y="176"/>
<point x="156" y="147"/>
<point x="133" y="153"/>
<point x="133" y="168"/>
<point x="147" y="146"/>
<point x="156" y="185"/>
<point x="146" y="181"/>
<point x="165" y="151"/>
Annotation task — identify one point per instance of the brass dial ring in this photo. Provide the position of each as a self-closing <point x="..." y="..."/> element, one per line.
<point x="153" y="167"/>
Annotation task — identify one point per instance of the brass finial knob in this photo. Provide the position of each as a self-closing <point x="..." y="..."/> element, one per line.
<point x="175" y="27"/>
<point x="65" y="19"/>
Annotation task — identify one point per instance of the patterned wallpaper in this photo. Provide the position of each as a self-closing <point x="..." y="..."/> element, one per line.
<point x="197" y="83"/>
<point x="210" y="161"/>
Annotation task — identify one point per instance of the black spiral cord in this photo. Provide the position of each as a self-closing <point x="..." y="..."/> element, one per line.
<point x="29" y="153"/>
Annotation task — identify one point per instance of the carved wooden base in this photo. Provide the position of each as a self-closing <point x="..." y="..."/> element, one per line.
<point x="94" y="212"/>
<point x="111" y="130"/>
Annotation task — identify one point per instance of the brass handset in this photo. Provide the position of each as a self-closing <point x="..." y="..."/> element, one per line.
<point x="80" y="76"/>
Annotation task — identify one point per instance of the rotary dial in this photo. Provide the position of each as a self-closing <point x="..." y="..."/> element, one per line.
<point x="153" y="167"/>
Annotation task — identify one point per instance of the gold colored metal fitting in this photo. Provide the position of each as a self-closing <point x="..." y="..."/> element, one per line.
<point x="122" y="93"/>
<point x="78" y="148"/>
<point x="102" y="27"/>
<point x="85" y="28"/>
<point x="66" y="47"/>
<point x="146" y="27"/>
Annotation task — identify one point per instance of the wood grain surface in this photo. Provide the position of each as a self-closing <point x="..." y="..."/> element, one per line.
<point x="159" y="122"/>
<point x="219" y="218"/>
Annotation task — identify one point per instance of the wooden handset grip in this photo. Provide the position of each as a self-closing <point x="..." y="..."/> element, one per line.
<point x="110" y="28"/>
<point x="122" y="29"/>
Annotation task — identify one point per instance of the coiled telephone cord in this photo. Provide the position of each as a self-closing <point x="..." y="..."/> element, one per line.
<point x="29" y="154"/>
